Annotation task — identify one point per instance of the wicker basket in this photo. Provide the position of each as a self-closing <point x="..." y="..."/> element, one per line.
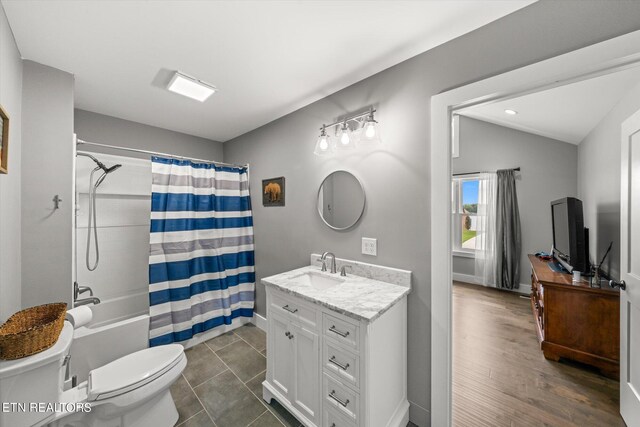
<point x="31" y="331"/>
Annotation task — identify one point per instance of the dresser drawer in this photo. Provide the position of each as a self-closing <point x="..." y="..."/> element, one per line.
<point x="341" y="363"/>
<point x="293" y="309"/>
<point x="340" y="398"/>
<point x="331" y="418"/>
<point x="342" y="331"/>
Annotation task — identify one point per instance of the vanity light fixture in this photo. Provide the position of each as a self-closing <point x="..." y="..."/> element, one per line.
<point x="346" y="141"/>
<point x="190" y="87"/>
<point x="324" y="145"/>
<point x="511" y="112"/>
<point x="370" y="132"/>
<point x="367" y="131"/>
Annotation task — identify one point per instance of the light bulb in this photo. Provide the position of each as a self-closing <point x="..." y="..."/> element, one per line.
<point x="344" y="138"/>
<point x="324" y="144"/>
<point x="370" y="132"/>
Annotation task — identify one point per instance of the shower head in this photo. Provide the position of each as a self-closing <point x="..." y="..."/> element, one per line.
<point x="111" y="169"/>
<point x="100" y="164"/>
<point x="105" y="171"/>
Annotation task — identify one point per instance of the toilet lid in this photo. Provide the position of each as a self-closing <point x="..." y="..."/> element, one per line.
<point x="132" y="371"/>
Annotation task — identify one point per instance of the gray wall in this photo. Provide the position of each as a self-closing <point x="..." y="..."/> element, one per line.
<point x="549" y="172"/>
<point x="396" y="176"/>
<point x="104" y="129"/>
<point x="11" y="101"/>
<point x="47" y="170"/>
<point x="599" y="182"/>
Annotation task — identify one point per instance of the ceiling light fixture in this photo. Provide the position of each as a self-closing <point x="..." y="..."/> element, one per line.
<point x="190" y="87"/>
<point x="368" y="131"/>
<point x="511" y="112"/>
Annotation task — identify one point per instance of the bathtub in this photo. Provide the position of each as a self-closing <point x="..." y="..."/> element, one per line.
<point x="111" y="334"/>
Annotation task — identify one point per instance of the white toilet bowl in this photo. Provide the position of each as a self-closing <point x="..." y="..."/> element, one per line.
<point x="130" y="391"/>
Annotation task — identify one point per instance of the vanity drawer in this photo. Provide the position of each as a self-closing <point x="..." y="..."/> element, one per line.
<point x="341" y="363"/>
<point x="332" y="418"/>
<point x="340" y="399"/>
<point x="293" y="309"/>
<point x="342" y="331"/>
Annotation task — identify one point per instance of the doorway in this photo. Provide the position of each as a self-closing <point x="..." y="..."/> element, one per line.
<point x="601" y="59"/>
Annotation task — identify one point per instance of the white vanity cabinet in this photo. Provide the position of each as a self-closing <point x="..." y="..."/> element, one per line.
<point x="333" y="370"/>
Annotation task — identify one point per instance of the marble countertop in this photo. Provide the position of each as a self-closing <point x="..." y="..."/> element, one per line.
<point x="358" y="297"/>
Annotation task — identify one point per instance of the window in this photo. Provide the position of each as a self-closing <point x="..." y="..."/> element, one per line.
<point x="464" y="202"/>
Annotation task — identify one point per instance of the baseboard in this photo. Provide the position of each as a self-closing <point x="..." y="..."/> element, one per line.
<point x="419" y="415"/>
<point x="400" y="417"/>
<point x="468" y="278"/>
<point x="260" y="321"/>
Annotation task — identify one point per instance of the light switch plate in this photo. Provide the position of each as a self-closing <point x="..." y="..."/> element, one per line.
<point x="369" y="246"/>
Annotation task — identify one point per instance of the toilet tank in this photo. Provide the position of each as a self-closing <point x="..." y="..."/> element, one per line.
<point x="33" y="379"/>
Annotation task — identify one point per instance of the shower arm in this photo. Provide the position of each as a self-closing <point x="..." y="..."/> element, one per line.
<point x="98" y="162"/>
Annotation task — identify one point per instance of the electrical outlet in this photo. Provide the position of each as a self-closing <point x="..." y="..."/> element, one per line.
<point x="369" y="246"/>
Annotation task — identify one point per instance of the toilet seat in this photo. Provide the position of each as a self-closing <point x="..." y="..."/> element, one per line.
<point x="132" y="371"/>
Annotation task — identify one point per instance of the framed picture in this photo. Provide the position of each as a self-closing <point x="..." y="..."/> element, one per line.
<point x="4" y="141"/>
<point x="273" y="192"/>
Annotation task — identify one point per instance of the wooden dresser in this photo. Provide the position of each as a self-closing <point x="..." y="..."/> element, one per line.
<point x="575" y="321"/>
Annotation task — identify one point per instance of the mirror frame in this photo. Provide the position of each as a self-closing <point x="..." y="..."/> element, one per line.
<point x="364" y="201"/>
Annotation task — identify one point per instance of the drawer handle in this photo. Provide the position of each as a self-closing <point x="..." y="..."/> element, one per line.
<point x="288" y="335"/>
<point x="333" y="425"/>
<point x="286" y="307"/>
<point x="344" y="403"/>
<point x="336" y="331"/>
<point x="338" y="364"/>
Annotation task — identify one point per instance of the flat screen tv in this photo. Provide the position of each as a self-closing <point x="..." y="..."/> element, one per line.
<point x="569" y="237"/>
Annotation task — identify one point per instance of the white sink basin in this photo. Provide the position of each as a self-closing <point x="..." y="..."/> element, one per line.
<point x="318" y="281"/>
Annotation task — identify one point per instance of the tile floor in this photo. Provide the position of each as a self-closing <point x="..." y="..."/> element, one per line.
<point x="222" y="384"/>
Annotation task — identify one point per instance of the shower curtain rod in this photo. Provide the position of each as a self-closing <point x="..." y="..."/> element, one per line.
<point x="154" y="153"/>
<point x="476" y="173"/>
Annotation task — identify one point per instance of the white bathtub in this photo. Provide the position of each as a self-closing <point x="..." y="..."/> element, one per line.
<point x="118" y="309"/>
<point x="109" y="336"/>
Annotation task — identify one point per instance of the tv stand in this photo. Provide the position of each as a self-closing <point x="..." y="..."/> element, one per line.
<point x="557" y="267"/>
<point x="575" y="321"/>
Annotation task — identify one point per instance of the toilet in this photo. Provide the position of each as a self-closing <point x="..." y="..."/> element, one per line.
<point x="130" y="391"/>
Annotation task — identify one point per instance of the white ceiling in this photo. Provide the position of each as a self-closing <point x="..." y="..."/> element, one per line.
<point x="268" y="58"/>
<point x="567" y="113"/>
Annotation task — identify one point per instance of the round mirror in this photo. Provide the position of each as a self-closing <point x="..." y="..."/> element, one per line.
<point x="341" y="200"/>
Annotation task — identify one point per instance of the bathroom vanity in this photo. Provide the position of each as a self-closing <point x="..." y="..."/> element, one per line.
<point x="337" y="346"/>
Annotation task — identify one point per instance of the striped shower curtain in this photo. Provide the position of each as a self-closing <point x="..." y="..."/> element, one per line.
<point x="201" y="260"/>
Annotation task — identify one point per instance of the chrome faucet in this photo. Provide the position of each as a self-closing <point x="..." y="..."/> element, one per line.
<point x="77" y="290"/>
<point x="333" y="261"/>
<point x="85" y="301"/>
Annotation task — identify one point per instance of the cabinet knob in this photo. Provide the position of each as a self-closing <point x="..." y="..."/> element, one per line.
<point x="286" y="334"/>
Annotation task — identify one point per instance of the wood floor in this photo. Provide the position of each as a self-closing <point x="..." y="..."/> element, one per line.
<point x="501" y="378"/>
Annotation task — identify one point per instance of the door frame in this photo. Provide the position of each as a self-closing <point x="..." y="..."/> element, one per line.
<point x="602" y="58"/>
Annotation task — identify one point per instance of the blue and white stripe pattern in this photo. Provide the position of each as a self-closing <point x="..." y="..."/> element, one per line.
<point x="201" y="258"/>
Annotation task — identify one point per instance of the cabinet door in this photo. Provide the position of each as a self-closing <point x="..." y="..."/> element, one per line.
<point x="280" y="353"/>
<point x="306" y="367"/>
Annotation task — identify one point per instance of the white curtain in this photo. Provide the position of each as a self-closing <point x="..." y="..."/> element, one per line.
<point x="486" y="229"/>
